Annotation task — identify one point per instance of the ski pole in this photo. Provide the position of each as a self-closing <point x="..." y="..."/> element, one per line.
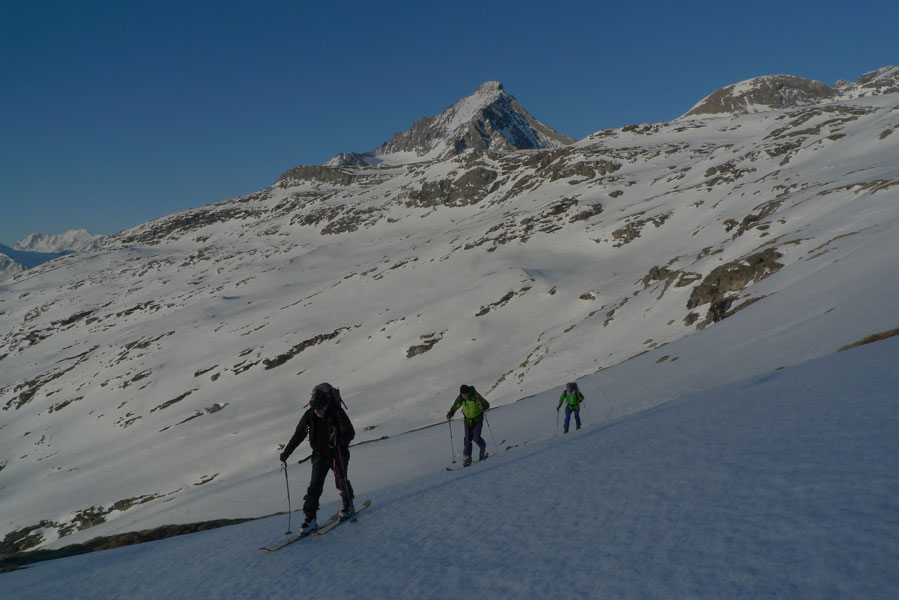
<point x="557" y="421"/>
<point x="490" y="429"/>
<point x="452" y="443"/>
<point x="284" y="468"/>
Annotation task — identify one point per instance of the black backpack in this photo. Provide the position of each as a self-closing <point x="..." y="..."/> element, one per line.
<point x="331" y="393"/>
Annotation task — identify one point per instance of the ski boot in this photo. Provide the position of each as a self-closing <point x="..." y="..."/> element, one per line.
<point x="466" y="461"/>
<point x="347" y="511"/>
<point x="310" y="524"/>
<point x="483" y="454"/>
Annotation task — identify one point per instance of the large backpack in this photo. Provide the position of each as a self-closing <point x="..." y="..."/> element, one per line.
<point x="331" y="393"/>
<point x="336" y="407"/>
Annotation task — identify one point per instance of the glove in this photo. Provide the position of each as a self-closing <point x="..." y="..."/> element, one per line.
<point x="558" y="407"/>
<point x="449" y="415"/>
<point x="283" y="456"/>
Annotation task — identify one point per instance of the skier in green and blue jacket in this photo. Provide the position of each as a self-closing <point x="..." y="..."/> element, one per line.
<point x="572" y="398"/>
<point x="473" y="406"/>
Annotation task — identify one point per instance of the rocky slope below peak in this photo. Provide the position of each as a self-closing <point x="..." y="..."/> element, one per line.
<point x="874" y="83"/>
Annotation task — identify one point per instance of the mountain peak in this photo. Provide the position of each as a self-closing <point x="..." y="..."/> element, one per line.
<point x="489" y="119"/>
<point x="763" y="93"/>
<point x="768" y="92"/>
<point x="491" y="86"/>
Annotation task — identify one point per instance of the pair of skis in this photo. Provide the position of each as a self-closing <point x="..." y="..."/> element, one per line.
<point x="455" y="468"/>
<point x="324" y="528"/>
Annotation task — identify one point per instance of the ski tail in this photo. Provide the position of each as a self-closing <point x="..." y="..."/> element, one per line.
<point x="300" y="535"/>
<point x="325" y="529"/>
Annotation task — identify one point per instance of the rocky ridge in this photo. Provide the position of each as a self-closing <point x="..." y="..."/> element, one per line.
<point x="788" y="91"/>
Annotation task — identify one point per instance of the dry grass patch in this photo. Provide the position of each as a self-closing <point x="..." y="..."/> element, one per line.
<point x="871" y="339"/>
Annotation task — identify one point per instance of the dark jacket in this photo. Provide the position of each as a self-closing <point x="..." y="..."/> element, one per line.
<point x="325" y="434"/>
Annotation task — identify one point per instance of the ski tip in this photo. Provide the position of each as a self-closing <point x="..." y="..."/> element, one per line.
<point x="366" y="504"/>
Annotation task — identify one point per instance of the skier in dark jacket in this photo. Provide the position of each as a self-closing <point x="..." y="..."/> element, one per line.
<point x="330" y="432"/>
<point x="572" y="398"/>
<point x="473" y="407"/>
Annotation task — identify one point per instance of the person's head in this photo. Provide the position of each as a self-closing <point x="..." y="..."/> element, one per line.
<point x="319" y="402"/>
<point x="464" y="390"/>
<point x="571" y="386"/>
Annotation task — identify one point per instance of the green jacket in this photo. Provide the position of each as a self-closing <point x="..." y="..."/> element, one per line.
<point x="574" y="399"/>
<point x="472" y="409"/>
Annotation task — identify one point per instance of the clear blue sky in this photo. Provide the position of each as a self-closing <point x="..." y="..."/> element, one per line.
<point x="115" y="113"/>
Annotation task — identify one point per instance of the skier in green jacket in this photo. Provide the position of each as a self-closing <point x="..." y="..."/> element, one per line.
<point x="473" y="406"/>
<point x="572" y="397"/>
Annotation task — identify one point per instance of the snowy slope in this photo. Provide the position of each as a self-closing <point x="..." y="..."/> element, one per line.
<point x="153" y="380"/>
<point x="782" y="485"/>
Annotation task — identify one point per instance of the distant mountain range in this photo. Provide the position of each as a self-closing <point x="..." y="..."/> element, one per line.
<point x="38" y="248"/>
<point x="152" y="380"/>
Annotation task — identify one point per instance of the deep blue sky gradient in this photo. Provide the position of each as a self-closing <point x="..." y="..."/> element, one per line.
<point x="115" y="113"/>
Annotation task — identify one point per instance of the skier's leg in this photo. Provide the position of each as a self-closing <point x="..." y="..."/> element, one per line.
<point x="346" y="470"/>
<point x="476" y="435"/>
<point x="466" y="446"/>
<point x="476" y="431"/>
<point x="577" y="418"/>
<point x="341" y="468"/>
<point x="320" y="467"/>
<point x="567" y="418"/>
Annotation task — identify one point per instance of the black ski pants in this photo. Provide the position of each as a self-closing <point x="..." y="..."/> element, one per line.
<point x="321" y="464"/>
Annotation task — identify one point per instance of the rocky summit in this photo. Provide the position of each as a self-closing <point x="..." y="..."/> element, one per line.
<point x="787" y="91"/>
<point x="479" y="246"/>
<point x="488" y="120"/>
